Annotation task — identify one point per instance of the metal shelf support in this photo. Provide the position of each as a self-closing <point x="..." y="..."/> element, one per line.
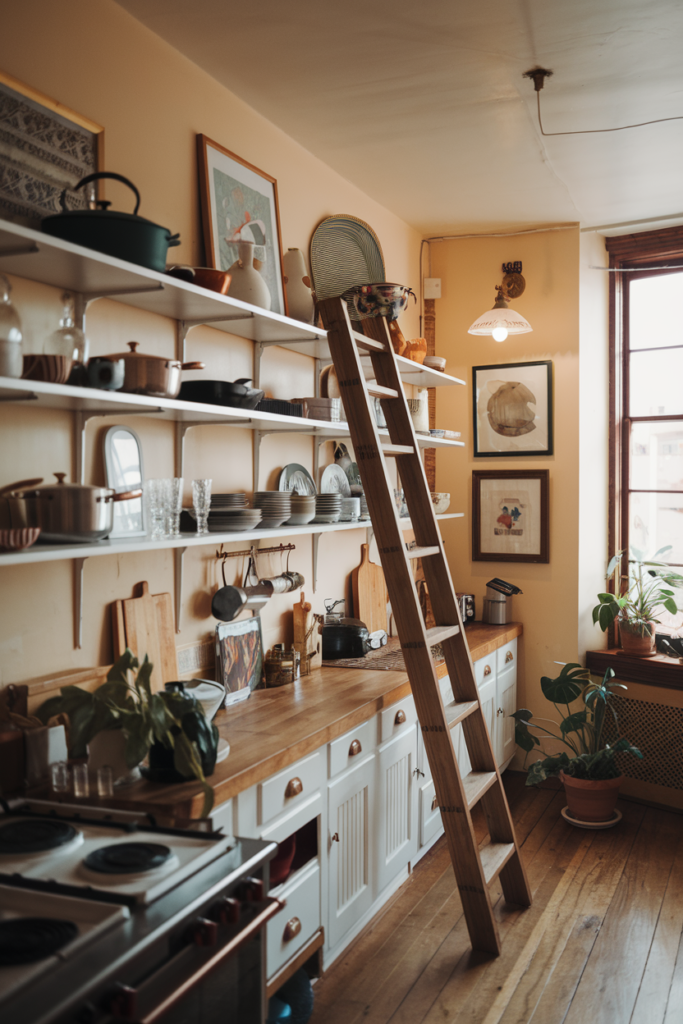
<point x="78" y="564"/>
<point x="178" y="566"/>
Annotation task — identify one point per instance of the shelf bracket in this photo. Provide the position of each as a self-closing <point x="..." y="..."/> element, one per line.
<point x="19" y="250"/>
<point x="81" y="418"/>
<point x="316" y="544"/>
<point x="78" y="564"/>
<point x="111" y="293"/>
<point x="258" y="353"/>
<point x="178" y="565"/>
<point x="181" y="428"/>
<point x="257" y="436"/>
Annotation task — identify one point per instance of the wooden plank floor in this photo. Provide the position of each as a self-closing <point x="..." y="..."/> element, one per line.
<point x="602" y="941"/>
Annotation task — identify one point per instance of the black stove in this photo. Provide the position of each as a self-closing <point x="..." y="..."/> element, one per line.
<point x="35" y="835"/>
<point x="128" y="858"/>
<point x="26" y="940"/>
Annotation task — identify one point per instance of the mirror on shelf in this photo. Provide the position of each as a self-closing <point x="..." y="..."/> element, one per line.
<point x="123" y="461"/>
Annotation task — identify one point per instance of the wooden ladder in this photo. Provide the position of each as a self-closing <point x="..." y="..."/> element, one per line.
<point x="474" y="866"/>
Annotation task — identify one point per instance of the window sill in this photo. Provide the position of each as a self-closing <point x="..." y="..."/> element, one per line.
<point x="658" y="671"/>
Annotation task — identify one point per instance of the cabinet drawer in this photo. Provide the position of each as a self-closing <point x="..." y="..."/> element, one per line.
<point x="290" y="787"/>
<point x="297" y="923"/>
<point x="485" y="669"/>
<point x="350" y="748"/>
<point x="506" y="656"/>
<point x="398" y="718"/>
<point x="430" y="815"/>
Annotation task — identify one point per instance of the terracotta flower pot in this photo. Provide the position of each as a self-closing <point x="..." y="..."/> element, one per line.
<point x="591" y="800"/>
<point x="638" y="640"/>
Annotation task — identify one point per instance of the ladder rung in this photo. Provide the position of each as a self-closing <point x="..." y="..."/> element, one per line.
<point x="397" y="449"/>
<point x="423" y="552"/>
<point x="457" y="712"/>
<point x="437" y="634"/>
<point x="494" y="857"/>
<point x="379" y="391"/>
<point x="368" y="343"/>
<point x="476" y="784"/>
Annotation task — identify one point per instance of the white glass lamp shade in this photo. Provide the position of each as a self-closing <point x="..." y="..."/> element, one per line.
<point x="501" y="317"/>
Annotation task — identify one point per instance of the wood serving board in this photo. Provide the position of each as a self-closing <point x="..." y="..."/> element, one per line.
<point x="369" y="592"/>
<point x="145" y="624"/>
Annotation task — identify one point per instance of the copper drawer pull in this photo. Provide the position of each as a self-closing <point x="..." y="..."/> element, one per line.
<point x="400" y="718"/>
<point x="509" y="657"/>
<point x="487" y="670"/>
<point x="355" y="748"/>
<point x="335" y="838"/>
<point x="294" y="787"/>
<point x="292" y="929"/>
<point x="435" y="803"/>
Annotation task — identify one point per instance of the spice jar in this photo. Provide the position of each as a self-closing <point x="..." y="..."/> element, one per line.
<point x="282" y="667"/>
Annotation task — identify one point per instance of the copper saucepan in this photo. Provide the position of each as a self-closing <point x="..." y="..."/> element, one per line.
<point x="65" y="513"/>
<point x="155" y="376"/>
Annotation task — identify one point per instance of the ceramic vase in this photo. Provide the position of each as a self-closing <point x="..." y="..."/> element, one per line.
<point x="247" y="283"/>
<point x="638" y="640"/>
<point x="300" y="301"/>
<point x="591" y="799"/>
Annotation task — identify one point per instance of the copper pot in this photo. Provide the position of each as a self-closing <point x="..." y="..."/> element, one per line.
<point x="66" y="513"/>
<point x="152" y="375"/>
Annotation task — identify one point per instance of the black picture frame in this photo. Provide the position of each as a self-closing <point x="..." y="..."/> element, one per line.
<point x="522" y="497"/>
<point x="508" y="427"/>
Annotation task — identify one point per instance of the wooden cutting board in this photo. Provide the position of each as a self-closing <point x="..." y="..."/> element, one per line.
<point x="369" y="592"/>
<point x="306" y="638"/>
<point x="145" y="624"/>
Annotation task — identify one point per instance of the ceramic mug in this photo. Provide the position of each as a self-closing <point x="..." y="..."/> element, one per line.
<point x="106" y="374"/>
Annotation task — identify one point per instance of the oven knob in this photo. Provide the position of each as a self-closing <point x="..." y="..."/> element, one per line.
<point x="252" y="890"/>
<point x="204" y="932"/>
<point x="123" y="1002"/>
<point x="226" y="910"/>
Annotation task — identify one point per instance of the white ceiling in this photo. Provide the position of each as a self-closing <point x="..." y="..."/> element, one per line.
<point x="424" y="107"/>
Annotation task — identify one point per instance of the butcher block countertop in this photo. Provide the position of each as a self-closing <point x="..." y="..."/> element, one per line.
<point x="274" y="728"/>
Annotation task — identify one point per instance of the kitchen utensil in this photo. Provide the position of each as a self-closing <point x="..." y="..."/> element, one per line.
<point x="441" y="501"/>
<point x="380" y="298"/>
<point x="345" y="638"/>
<point x="305" y="640"/>
<point x="345" y="251"/>
<point x="18" y="540"/>
<point x="151" y="375"/>
<point x="67" y="512"/>
<point x="282" y="666"/>
<point x="328" y="409"/>
<point x="106" y="374"/>
<point x="204" y="277"/>
<point x="297" y="478"/>
<point x="51" y="369"/>
<point x="335" y="481"/>
<point x="280" y="407"/>
<point x="369" y="592"/>
<point x="498" y="602"/>
<point x="201" y="501"/>
<point x="467" y="607"/>
<point x="145" y="624"/>
<point x="125" y="236"/>
<point x="221" y="392"/>
<point x="11" y="352"/>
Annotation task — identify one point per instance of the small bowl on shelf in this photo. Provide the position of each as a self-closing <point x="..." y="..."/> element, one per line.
<point x="19" y="539"/>
<point x="441" y="501"/>
<point x="203" y="277"/>
<point x="51" y="369"/>
<point x="435" y="363"/>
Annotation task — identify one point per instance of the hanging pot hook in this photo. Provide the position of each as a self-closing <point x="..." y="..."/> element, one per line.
<point x="289" y="551"/>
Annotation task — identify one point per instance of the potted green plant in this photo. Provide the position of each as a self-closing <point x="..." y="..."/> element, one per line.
<point x="589" y="773"/>
<point x="170" y="726"/>
<point x="647" y="589"/>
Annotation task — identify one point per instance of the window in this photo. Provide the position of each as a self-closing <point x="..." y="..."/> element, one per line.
<point x="646" y="394"/>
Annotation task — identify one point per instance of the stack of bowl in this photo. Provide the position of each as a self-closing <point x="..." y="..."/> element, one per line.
<point x="303" y="509"/>
<point x="221" y="501"/>
<point x="233" y="520"/>
<point x="327" y="508"/>
<point x="276" y="507"/>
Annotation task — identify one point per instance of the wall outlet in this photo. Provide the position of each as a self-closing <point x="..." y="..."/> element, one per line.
<point x="432" y="287"/>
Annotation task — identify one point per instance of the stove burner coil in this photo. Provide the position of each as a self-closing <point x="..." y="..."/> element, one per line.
<point x="127" y="858"/>
<point x="26" y="940"/>
<point x="34" y="835"/>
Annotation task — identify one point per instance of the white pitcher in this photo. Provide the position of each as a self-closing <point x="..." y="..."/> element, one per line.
<point x="247" y="283"/>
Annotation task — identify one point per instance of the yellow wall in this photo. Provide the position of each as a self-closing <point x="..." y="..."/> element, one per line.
<point x="97" y="60"/>
<point x="469" y="270"/>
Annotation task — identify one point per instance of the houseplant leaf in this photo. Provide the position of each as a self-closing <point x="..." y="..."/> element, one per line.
<point x="565" y="688"/>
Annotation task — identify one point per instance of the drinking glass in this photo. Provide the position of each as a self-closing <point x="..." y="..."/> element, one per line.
<point x="173" y="504"/>
<point x="61" y="782"/>
<point x="155" y="499"/>
<point x="105" y="780"/>
<point x="201" y="500"/>
<point x="81" y="780"/>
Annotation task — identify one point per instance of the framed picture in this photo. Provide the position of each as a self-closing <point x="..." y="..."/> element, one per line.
<point x="510" y="517"/>
<point x="239" y="203"/>
<point x="239" y="658"/>
<point x="513" y="409"/>
<point x="46" y="148"/>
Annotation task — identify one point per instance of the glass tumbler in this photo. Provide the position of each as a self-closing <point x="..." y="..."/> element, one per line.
<point x="173" y="504"/>
<point x="201" y="500"/>
<point x="155" y="490"/>
<point x="81" y="780"/>
<point x="61" y="780"/>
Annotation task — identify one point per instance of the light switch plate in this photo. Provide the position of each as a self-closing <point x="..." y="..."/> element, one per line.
<point x="432" y="287"/>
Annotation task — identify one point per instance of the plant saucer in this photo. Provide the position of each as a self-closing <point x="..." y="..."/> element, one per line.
<point x="614" y="820"/>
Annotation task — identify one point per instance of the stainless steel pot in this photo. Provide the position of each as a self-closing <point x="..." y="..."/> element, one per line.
<point x="152" y="375"/>
<point x="67" y="513"/>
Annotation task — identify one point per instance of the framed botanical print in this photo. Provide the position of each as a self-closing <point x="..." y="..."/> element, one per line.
<point x="513" y="409"/>
<point x="240" y="204"/>
<point x="510" y="515"/>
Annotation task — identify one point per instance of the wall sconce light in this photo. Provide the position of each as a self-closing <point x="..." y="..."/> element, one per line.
<point x="500" y="320"/>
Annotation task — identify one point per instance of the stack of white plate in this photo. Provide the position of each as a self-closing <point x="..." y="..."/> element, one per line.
<point x="303" y="510"/>
<point x="238" y="500"/>
<point x="364" y="513"/>
<point x="276" y="507"/>
<point x="327" y="508"/>
<point x="350" y="510"/>
<point x="234" y="520"/>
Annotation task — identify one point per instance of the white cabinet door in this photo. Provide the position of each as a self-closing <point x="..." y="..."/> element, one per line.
<point x="506" y="705"/>
<point x="395" y="835"/>
<point x="351" y="820"/>
<point x="487" y="696"/>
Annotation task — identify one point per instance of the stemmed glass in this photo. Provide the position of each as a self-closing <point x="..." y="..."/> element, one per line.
<point x="173" y="503"/>
<point x="155" y="490"/>
<point x="201" y="500"/>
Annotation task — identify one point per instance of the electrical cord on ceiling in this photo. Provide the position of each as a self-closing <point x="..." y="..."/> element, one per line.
<point x="538" y="75"/>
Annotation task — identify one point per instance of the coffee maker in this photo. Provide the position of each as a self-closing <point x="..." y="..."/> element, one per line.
<point x="498" y="602"/>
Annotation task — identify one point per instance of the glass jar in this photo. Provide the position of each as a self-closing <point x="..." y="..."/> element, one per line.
<point x="68" y="341"/>
<point x="282" y="667"/>
<point x="11" y="351"/>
